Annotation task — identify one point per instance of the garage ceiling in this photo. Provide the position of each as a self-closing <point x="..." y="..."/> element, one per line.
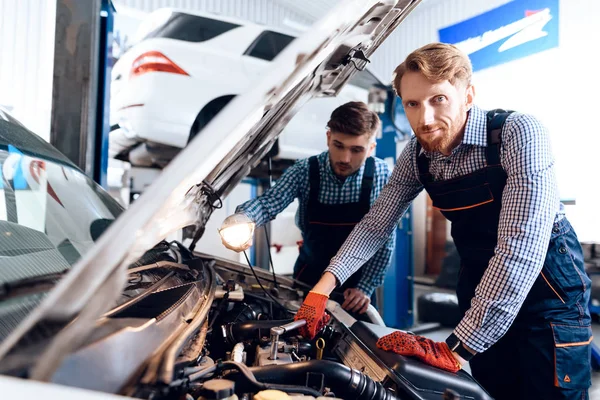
<point x="311" y="9"/>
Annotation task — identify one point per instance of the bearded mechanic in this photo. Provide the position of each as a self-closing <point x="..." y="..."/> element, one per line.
<point x="335" y="189"/>
<point x="522" y="289"/>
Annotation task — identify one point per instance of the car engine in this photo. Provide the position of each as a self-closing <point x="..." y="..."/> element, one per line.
<point x="252" y="349"/>
<point x="256" y="351"/>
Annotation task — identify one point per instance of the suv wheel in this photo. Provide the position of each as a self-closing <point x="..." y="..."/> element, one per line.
<point x="208" y="113"/>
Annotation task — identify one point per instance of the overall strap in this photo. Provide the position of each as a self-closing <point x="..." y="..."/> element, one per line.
<point x="367" y="181"/>
<point x="423" y="165"/>
<point x="314" y="178"/>
<point x="495" y="122"/>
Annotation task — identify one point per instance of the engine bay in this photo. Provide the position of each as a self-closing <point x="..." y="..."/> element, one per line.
<point x="192" y="326"/>
<point x="253" y="347"/>
<point x="250" y="347"/>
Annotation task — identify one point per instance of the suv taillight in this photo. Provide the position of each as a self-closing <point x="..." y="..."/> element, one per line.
<point x="154" y="61"/>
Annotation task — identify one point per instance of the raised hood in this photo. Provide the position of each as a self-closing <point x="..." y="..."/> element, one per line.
<point x="319" y="63"/>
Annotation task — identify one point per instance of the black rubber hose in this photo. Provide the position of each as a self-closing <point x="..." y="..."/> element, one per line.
<point x="304" y="348"/>
<point x="193" y="374"/>
<point x="344" y="382"/>
<point x="240" y="331"/>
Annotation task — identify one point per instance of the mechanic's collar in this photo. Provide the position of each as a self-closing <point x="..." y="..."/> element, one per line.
<point x="475" y="130"/>
<point x="341" y="179"/>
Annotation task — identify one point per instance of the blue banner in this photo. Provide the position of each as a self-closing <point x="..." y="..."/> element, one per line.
<point x="515" y="30"/>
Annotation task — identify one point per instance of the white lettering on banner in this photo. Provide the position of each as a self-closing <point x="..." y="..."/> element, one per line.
<point x="522" y="31"/>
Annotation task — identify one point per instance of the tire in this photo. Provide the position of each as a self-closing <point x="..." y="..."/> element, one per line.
<point x="439" y="307"/>
<point x="208" y="113"/>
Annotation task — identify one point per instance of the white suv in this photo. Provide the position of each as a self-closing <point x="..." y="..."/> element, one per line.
<point x="185" y="69"/>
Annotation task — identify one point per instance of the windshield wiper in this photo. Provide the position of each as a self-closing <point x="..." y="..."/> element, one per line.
<point x="33" y="284"/>
<point x="44" y="282"/>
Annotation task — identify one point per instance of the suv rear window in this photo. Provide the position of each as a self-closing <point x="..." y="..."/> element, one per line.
<point x="268" y="45"/>
<point x="191" y="28"/>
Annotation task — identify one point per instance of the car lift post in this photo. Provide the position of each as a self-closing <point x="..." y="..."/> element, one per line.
<point x="81" y="79"/>
<point x="397" y="292"/>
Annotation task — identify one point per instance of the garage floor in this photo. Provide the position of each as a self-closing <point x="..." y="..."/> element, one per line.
<point x="442" y="334"/>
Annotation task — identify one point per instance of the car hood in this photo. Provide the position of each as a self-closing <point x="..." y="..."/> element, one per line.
<point x="319" y="63"/>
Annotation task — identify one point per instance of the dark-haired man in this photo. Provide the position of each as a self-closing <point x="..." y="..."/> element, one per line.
<point x="335" y="190"/>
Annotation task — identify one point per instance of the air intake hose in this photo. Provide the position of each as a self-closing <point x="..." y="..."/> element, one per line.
<point x="344" y="382"/>
<point x="241" y="331"/>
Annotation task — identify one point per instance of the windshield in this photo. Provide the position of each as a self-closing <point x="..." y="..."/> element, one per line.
<point x="50" y="215"/>
<point x="181" y="26"/>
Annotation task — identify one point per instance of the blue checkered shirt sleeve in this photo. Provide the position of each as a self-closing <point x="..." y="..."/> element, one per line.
<point x="530" y="202"/>
<point x="265" y="208"/>
<point x="378" y="225"/>
<point x="374" y="270"/>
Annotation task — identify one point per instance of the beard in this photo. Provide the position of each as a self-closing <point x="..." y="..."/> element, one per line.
<point x="437" y="143"/>
<point x="446" y="139"/>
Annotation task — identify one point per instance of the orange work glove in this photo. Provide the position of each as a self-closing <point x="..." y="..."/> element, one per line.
<point x="437" y="354"/>
<point x="313" y="311"/>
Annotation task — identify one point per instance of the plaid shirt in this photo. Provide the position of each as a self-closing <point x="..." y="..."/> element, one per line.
<point x="294" y="183"/>
<point x="530" y="206"/>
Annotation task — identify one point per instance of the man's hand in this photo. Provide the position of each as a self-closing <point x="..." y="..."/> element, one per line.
<point x="313" y="311"/>
<point x="437" y="354"/>
<point x="356" y="301"/>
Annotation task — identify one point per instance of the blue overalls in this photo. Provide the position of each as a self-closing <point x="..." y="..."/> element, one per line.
<point x="326" y="228"/>
<point x="546" y="352"/>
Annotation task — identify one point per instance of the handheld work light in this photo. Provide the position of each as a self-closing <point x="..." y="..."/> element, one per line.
<point x="236" y="232"/>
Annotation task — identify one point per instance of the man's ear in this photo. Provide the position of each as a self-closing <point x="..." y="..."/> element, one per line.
<point x="470" y="96"/>
<point x="372" y="146"/>
<point x="328" y="136"/>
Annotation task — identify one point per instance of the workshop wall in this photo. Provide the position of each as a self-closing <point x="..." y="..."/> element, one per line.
<point x="26" y="65"/>
<point x="267" y="12"/>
